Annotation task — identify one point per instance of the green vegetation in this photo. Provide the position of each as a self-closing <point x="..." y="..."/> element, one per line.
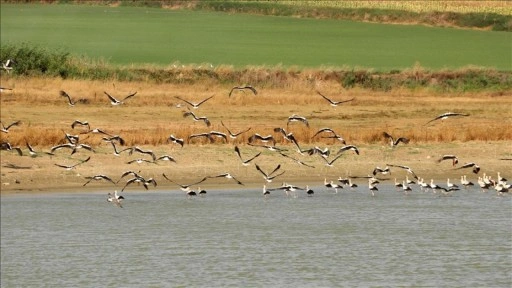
<point x="133" y="35"/>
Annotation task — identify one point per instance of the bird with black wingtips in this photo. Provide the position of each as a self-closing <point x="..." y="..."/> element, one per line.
<point x="7" y="146"/>
<point x="245" y="162"/>
<point x="227" y="176"/>
<point x="81" y="123"/>
<point x="394" y="142"/>
<point x="406" y="168"/>
<point x="118" y="152"/>
<point x="205" y="134"/>
<point x="297" y="118"/>
<point x="332" y="102"/>
<point x="296" y="160"/>
<point x="264" y="139"/>
<point x="270" y="176"/>
<point x="5" y="129"/>
<point x="71" y="103"/>
<point x="331" y="162"/>
<point x="454" y="159"/>
<point x="202" y="118"/>
<point x="98" y="178"/>
<point x="241" y="88"/>
<point x="473" y="165"/>
<point x="234" y="135"/>
<point x="384" y="170"/>
<point x="115" y="199"/>
<point x="333" y="135"/>
<point x="31" y="151"/>
<point x="116" y="102"/>
<point x="142" y="151"/>
<point x="114" y="139"/>
<point x="7" y="65"/>
<point x="194" y="105"/>
<point x="447" y="115"/>
<point x="142" y="180"/>
<point x="69" y="167"/>
<point x="348" y="147"/>
<point x="166" y="158"/>
<point x="184" y="187"/>
<point x="219" y="135"/>
<point x="176" y="140"/>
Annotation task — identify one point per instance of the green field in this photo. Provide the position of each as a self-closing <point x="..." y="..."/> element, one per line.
<point x="131" y="35"/>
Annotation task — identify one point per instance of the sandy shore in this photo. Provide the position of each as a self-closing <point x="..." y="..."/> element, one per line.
<point x="25" y="174"/>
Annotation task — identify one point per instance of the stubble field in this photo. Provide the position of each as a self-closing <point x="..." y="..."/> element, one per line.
<point x="149" y="118"/>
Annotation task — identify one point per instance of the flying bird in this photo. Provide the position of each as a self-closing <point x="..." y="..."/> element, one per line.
<point x="333" y="135"/>
<point x="245" y="162"/>
<point x="202" y="118"/>
<point x="115" y="199"/>
<point x="348" y="147"/>
<point x="116" y="102"/>
<point x="384" y="170"/>
<point x="446" y="115"/>
<point x="5" y="129"/>
<point x="406" y="168"/>
<point x="330" y="162"/>
<point x="234" y="135"/>
<point x="7" y="146"/>
<point x="241" y="88"/>
<point x="31" y="150"/>
<point x="228" y="176"/>
<point x="70" y="101"/>
<point x="393" y="142"/>
<point x="297" y="118"/>
<point x="454" y="159"/>
<point x="184" y="187"/>
<point x="296" y="160"/>
<point x="317" y="150"/>
<point x="7" y="65"/>
<point x="263" y="139"/>
<point x="270" y="176"/>
<point x="166" y="158"/>
<point x="98" y="178"/>
<point x="334" y="103"/>
<point x="206" y="135"/>
<point x="473" y="165"/>
<point x="69" y="167"/>
<point x="117" y="152"/>
<point x="176" y="140"/>
<point x="81" y="123"/>
<point x="74" y="147"/>
<point x="142" y="151"/>
<point x="194" y="105"/>
<point x="140" y="180"/>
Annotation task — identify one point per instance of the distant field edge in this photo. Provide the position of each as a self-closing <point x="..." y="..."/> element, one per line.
<point x="489" y="15"/>
<point x="37" y="61"/>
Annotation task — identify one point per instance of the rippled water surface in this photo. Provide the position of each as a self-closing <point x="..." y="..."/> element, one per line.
<point x="235" y="238"/>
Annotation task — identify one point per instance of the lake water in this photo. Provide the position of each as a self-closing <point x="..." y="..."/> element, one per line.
<point x="236" y="238"/>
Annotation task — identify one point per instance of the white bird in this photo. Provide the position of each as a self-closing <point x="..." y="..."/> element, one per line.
<point x="7" y="65"/>
<point x="446" y="115"/>
<point x="185" y="187"/>
<point x="202" y="118"/>
<point x="142" y="151"/>
<point x="31" y="150"/>
<point x="406" y="187"/>
<point x="330" y="162"/>
<point x="115" y="199"/>
<point x="245" y="162"/>
<point x="384" y="170"/>
<point x="194" y="105"/>
<point x="296" y="160"/>
<point x="117" y="152"/>
<point x="297" y="118"/>
<point x="98" y="178"/>
<point x="266" y="192"/>
<point x="81" y="123"/>
<point x="139" y="179"/>
<point x="234" y="135"/>
<point x="116" y="102"/>
<point x="406" y="168"/>
<point x="240" y="88"/>
<point x="166" y="158"/>
<point x="69" y="167"/>
<point x="263" y="139"/>
<point x="394" y="142"/>
<point x="228" y="176"/>
<point x="7" y="146"/>
<point x="473" y="165"/>
<point x="454" y="159"/>
<point x="5" y="129"/>
<point x="372" y="187"/>
<point x="332" y="102"/>
<point x="348" y="147"/>
<point x="176" y="140"/>
<point x="70" y="101"/>
<point x="332" y="135"/>
<point x="270" y="176"/>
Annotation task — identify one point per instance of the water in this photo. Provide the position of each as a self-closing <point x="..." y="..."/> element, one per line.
<point x="237" y="239"/>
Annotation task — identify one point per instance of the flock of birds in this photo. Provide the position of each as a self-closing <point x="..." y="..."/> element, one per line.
<point x="73" y="145"/>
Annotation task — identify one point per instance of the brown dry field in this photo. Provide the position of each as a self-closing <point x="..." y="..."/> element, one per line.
<point x="146" y="120"/>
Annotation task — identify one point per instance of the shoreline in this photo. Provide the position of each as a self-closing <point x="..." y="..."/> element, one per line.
<point x="43" y="177"/>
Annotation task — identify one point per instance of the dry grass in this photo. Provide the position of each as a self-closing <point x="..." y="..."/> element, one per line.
<point x="499" y="7"/>
<point x="151" y="116"/>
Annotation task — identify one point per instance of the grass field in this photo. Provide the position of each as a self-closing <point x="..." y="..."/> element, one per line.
<point x="128" y="35"/>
